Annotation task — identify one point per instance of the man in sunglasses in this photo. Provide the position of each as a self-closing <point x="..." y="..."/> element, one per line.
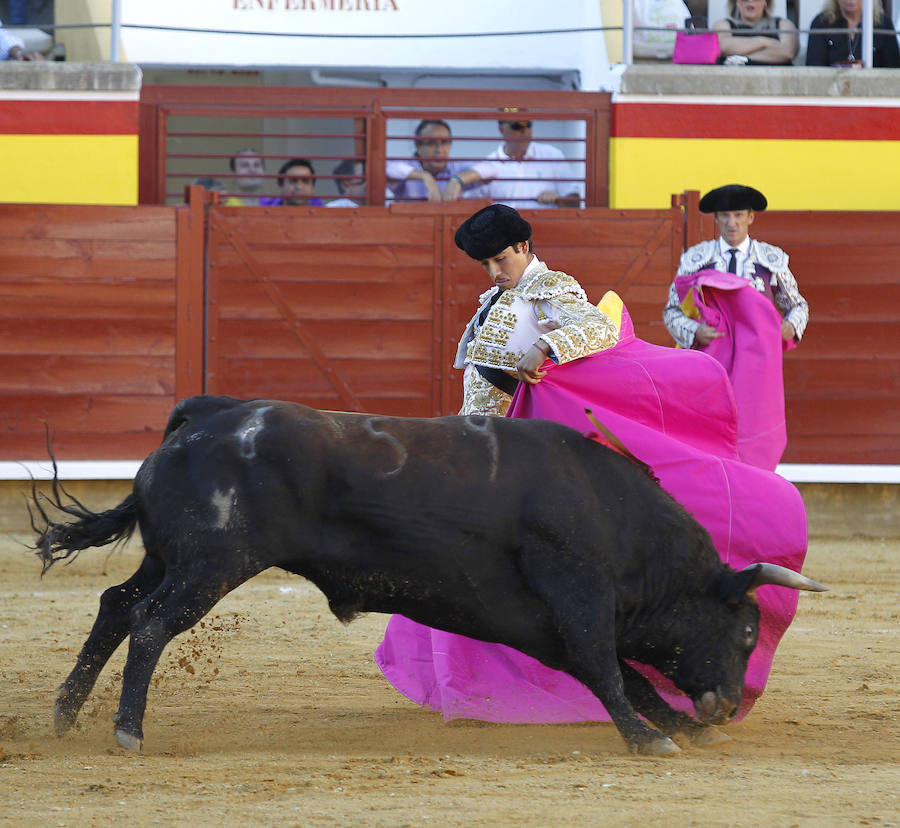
<point x="521" y="173"/>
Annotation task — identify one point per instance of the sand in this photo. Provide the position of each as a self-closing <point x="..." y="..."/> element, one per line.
<point x="270" y="712"/>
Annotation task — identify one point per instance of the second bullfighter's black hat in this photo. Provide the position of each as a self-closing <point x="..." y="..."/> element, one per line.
<point x="732" y="197"/>
<point x="491" y="230"/>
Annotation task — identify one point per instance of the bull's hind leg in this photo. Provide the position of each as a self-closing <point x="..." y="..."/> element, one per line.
<point x="646" y="701"/>
<point x="181" y="600"/>
<point x="109" y="630"/>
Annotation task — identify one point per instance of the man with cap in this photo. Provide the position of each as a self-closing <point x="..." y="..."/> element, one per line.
<point x="736" y="299"/>
<point x="763" y="265"/>
<point x="530" y="315"/>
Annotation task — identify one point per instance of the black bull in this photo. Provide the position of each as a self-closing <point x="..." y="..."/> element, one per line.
<point x="522" y="532"/>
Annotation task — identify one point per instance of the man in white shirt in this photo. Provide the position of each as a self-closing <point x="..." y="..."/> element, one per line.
<point x="12" y="47"/>
<point x="763" y="265"/>
<point x="426" y="177"/>
<point x="521" y="173"/>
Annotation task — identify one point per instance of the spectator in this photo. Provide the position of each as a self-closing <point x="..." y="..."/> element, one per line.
<point x="297" y="183"/>
<point x="351" y="183"/>
<point x="209" y="183"/>
<point x="751" y="35"/>
<point x="845" y="49"/>
<point x="721" y="301"/>
<point x="12" y="47"/>
<point x="654" y="42"/>
<point x="214" y="186"/>
<point x="426" y="178"/>
<point x="249" y="167"/>
<point x="520" y="173"/>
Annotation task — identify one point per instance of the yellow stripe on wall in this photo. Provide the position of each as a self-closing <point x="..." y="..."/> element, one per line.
<point x="794" y="175"/>
<point x="69" y="169"/>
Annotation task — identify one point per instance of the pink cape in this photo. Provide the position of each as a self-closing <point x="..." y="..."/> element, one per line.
<point x="675" y="411"/>
<point x="751" y="352"/>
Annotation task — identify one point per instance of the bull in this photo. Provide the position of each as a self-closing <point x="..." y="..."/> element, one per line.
<point x="521" y="532"/>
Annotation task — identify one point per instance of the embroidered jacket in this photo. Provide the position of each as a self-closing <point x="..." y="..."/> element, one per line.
<point x="546" y="305"/>
<point x="766" y="267"/>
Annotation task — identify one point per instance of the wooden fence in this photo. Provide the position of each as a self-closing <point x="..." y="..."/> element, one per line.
<point x="363" y="309"/>
<point x="110" y="315"/>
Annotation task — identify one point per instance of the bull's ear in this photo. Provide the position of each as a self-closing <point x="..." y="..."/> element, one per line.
<point x="733" y="586"/>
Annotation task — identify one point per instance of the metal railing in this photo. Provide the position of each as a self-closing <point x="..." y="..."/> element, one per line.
<point x="628" y="29"/>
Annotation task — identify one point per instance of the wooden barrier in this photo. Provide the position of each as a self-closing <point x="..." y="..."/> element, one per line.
<point x="109" y="314"/>
<point x="362" y="309"/>
<point x="88" y="328"/>
<point x="842" y="385"/>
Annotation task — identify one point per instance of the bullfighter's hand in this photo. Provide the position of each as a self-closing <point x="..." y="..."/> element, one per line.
<point x="706" y="334"/>
<point x="529" y="367"/>
<point x="787" y="330"/>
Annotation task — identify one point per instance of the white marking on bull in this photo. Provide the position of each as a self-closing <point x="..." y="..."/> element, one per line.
<point x="391" y="440"/>
<point x="485" y="427"/>
<point x="223" y="503"/>
<point x="248" y="432"/>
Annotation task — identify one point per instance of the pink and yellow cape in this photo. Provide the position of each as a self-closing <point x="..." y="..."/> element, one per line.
<point x="674" y="409"/>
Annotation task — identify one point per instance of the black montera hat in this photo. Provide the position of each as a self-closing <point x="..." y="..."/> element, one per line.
<point x="491" y="230"/>
<point x="732" y="197"/>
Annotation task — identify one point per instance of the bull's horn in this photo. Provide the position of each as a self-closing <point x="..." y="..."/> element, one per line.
<point x="767" y="573"/>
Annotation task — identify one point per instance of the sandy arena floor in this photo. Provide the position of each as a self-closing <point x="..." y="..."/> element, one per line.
<point x="272" y="713"/>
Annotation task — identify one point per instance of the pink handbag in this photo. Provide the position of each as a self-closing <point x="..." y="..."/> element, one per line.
<point x="696" y="48"/>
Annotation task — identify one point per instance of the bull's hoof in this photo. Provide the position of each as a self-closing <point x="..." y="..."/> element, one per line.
<point x="662" y="746"/>
<point x="708" y="736"/>
<point x="63" y="719"/>
<point x="128" y="740"/>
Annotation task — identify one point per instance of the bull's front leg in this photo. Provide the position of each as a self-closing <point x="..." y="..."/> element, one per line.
<point x="590" y="644"/>
<point x="605" y="681"/>
<point x="646" y="701"/>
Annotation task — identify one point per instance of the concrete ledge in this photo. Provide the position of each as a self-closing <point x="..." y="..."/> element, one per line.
<point x="68" y="77"/>
<point x="850" y="510"/>
<point x="760" y="81"/>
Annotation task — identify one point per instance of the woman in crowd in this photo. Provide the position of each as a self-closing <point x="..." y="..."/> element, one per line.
<point x="752" y="35"/>
<point x="844" y="48"/>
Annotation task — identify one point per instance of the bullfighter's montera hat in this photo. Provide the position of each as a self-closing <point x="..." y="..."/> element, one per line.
<point x="491" y="230"/>
<point x="732" y="197"/>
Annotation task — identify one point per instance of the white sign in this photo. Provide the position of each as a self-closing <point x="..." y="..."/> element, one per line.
<point x="523" y="35"/>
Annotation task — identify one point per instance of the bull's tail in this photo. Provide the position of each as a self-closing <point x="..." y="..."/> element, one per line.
<point x="58" y="541"/>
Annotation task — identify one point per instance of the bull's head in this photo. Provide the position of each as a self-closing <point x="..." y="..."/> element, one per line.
<point x="711" y="661"/>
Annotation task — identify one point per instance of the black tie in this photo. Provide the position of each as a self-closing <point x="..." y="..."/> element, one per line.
<point x="732" y="264"/>
<point x="483" y="315"/>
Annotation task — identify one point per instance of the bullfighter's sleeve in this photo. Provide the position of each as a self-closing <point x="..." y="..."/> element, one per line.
<point x="790" y="302"/>
<point x="582" y="327"/>
<point x="680" y="326"/>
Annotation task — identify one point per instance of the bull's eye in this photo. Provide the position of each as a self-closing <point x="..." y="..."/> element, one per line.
<point x="749" y="635"/>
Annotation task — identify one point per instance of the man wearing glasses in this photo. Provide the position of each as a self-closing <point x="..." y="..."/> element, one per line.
<point x="521" y="173"/>
<point x="425" y="177"/>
